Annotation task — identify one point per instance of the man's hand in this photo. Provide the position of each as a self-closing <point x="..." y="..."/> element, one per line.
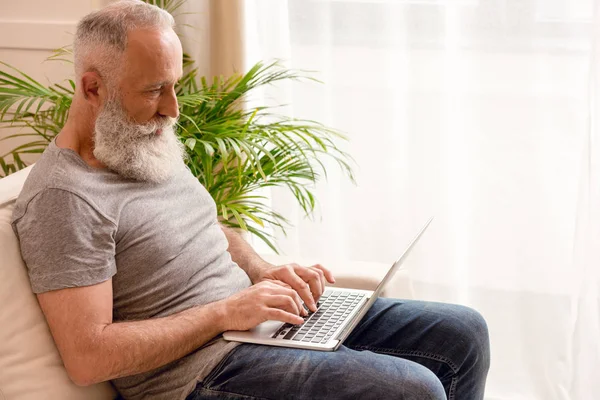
<point x="308" y="282"/>
<point x="268" y="300"/>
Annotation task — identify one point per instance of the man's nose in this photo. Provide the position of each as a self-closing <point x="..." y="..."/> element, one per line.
<point x="168" y="105"/>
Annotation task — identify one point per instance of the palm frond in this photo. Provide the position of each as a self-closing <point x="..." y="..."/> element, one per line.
<point x="171" y="6"/>
<point x="26" y="96"/>
<point x="64" y="53"/>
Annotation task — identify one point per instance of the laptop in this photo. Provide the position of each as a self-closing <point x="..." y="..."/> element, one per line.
<point x="338" y="312"/>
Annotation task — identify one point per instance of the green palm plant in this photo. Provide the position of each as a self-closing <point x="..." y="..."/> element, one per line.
<point x="233" y="149"/>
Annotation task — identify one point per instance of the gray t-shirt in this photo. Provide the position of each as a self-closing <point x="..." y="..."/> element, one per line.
<point x="160" y="243"/>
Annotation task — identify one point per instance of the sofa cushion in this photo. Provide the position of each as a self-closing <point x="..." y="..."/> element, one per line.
<point x="30" y="365"/>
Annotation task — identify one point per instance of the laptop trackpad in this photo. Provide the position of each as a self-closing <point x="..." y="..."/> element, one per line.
<point x="267" y="328"/>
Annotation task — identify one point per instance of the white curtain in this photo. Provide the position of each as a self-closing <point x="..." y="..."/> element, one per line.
<point x="486" y="114"/>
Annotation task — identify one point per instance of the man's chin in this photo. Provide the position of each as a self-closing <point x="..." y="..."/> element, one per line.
<point x="141" y="165"/>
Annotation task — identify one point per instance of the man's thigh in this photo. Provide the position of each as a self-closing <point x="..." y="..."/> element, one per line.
<point x="438" y="335"/>
<point x="265" y="372"/>
<point x="451" y="340"/>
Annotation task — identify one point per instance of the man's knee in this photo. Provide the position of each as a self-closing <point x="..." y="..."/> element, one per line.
<point x="424" y="385"/>
<point x="399" y="379"/>
<point x="472" y="329"/>
<point x="419" y="384"/>
<point x="379" y="376"/>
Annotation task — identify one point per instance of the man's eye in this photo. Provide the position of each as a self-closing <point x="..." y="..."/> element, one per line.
<point x="155" y="91"/>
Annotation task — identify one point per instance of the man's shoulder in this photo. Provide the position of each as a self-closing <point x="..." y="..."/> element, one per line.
<point x="56" y="172"/>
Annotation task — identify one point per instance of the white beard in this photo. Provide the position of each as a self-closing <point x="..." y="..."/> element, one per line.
<point x="134" y="150"/>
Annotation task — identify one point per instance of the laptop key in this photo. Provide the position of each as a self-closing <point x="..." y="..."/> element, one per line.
<point x="291" y="333"/>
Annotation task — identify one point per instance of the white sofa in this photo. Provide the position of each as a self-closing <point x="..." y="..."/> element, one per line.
<point x="30" y="366"/>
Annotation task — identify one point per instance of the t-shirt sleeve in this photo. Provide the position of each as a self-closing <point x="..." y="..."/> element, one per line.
<point x="65" y="242"/>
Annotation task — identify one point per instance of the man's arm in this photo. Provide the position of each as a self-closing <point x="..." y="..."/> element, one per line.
<point x="94" y="349"/>
<point x="308" y="282"/>
<point x="244" y="255"/>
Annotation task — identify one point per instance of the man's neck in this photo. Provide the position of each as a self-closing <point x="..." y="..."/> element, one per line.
<point x="77" y="135"/>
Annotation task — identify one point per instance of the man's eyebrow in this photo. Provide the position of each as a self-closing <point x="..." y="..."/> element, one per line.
<point x="159" y="84"/>
<point x="156" y="84"/>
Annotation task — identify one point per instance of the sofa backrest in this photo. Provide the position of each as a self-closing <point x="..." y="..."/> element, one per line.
<point x="30" y="366"/>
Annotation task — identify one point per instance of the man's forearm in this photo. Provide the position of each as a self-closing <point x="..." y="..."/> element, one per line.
<point x="127" y="348"/>
<point x="244" y="255"/>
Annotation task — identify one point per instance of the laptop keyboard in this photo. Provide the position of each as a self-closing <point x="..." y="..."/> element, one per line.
<point x="318" y="327"/>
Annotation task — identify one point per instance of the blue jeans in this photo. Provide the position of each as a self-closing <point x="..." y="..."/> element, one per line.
<point x="402" y="349"/>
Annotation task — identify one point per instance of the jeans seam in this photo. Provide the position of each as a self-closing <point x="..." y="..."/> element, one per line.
<point x="417" y="353"/>
<point x="452" y="390"/>
<point x="244" y="396"/>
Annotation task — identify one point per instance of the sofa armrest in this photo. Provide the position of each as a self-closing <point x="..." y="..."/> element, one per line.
<point x="356" y="274"/>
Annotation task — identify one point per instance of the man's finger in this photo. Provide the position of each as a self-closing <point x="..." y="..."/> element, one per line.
<point x="284" y="302"/>
<point x="313" y="279"/>
<point x="292" y="293"/>
<point x="296" y="297"/>
<point x="289" y="276"/>
<point x="326" y="272"/>
<point x="321" y="276"/>
<point x="283" y="316"/>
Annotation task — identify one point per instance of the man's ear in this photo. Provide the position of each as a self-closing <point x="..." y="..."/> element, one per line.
<point x="93" y="88"/>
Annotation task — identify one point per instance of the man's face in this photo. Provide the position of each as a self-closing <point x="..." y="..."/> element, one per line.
<point x="152" y="66"/>
<point x="134" y="131"/>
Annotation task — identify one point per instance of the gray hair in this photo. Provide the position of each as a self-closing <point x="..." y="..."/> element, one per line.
<point x="101" y="36"/>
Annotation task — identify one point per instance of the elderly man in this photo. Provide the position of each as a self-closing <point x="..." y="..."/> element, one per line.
<point x="137" y="279"/>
